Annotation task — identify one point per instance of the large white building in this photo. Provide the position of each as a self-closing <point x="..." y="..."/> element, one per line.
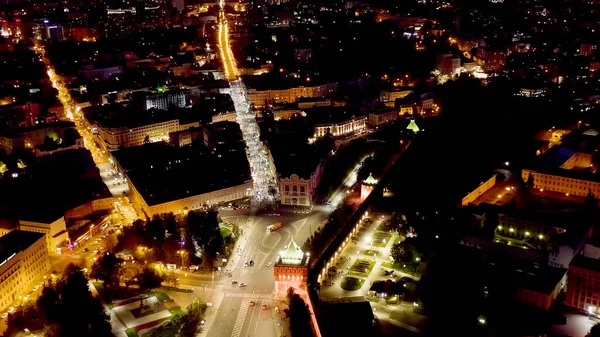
<point x="115" y="138"/>
<point x="340" y="129"/>
<point x="163" y="100"/>
<point x="23" y="263"/>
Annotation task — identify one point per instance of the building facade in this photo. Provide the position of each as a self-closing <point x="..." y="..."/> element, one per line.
<point x="297" y="191"/>
<point x="562" y="184"/>
<point x="115" y="138"/>
<point x="23" y="263"/>
<point x="479" y="191"/>
<point x="35" y="136"/>
<point x="583" y="287"/>
<point x="348" y="127"/>
<point x="55" y="232"/>
<point x="291" y="269"/>
<point x="193" y="202"/>
<point x="383" y="117"/>
<point x="291" y="95"/>
<point x="163" y="100"/>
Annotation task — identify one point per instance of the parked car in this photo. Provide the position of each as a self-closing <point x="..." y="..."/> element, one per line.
<point x="242" y="285"/>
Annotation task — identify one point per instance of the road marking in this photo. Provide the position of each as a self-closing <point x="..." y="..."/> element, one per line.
<point x="248" y="295"/>
<point x="301" y="224"/>
<point x="241" y="317"/>
<point x="261" y="257"/>
<point x="264" y="238"/>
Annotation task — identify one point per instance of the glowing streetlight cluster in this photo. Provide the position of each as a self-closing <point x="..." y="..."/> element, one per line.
<point x="229" y="65"/>
<point x="263" y="176"/>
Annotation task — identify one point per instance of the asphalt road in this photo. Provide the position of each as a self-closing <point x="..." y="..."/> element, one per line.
<point x="235" y="317"/>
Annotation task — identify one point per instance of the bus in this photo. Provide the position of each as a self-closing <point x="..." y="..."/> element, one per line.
<point x="274" y="227"/>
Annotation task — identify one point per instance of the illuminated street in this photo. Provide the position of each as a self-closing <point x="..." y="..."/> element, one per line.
<point x="266" y="191"/>
<point x="113" y="179"/>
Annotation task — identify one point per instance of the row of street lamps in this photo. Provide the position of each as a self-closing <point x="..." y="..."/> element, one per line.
<point x="266" y="190"/>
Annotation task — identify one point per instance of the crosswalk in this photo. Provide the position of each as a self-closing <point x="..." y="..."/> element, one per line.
<point x="241" y="317"/>
<point x="248" y="295"/>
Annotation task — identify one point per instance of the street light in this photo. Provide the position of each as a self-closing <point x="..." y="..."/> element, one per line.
<point x="181" y="252"/>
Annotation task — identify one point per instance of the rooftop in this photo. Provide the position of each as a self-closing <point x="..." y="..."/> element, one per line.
<point x="542" y="280"/>
<point x="294" y="157"/>
<point x="585" y="141"/>
<point x="332" y="115"/>
<point x="163" y="173"/>
<point x="292" y="255"/>
<point x="126" y="115"/>
<point x="273" y="81"/>
<point x="15" y="242"/>
<point x="52" y="185"/>
<point x="586" y="263"/>
<point x="16" y="133"/>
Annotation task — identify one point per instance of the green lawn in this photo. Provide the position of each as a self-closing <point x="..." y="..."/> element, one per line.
<point x="406" y="267"/>
<point x="225" y="232"/>
<point x="370" y="253"/>
<point x="352" y="283"/>
<point x="160" y="296"/>
<point x="131" y="332"/>
<point x="385" y="226"/>
<point x="177" y="311"/>
<point x="381" y="239"/>
<point x="361" y="268"/>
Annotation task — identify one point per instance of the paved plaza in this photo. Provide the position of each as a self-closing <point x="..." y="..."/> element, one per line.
<point x="135" y="314"/>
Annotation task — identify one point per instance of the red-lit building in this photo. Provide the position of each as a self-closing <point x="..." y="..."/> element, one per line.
<point x="291" y="269"/>
<point x="583" y="286"/>
<point x="367" y="186"/>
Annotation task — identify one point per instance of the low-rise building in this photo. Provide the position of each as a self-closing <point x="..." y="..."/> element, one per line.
<point x="23" y="263"/>
<point x="448" y="65"/>
<point x="308" y="103"/>
<point x="392" y="95"/>
<point x="568" y="168"/>
<point x="63" y="132"/>
<point x="544" y="238"/>
<point x="542" y="288"/>
<point x="166" y="178"/>
<point x="336" y="121"/>
<point x="382" y="117"/>
<point x="286" y="114"/>
<point x="225" y="117"/>
<point x="299" y="169"/>
<point x="290" y="95"/>
<point x="583" y="286"/>
<point x="55" y="231"/>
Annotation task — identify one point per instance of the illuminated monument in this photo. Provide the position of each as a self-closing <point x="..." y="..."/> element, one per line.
<point x="291" y="269"/>
<point x="413" y="126"/>
<point x="367" y="186"/>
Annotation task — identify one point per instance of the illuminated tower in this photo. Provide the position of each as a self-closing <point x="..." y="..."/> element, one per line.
<point x="291" y="269"/>
<point x="413" y="126"/>
<point x="367" y="186"/>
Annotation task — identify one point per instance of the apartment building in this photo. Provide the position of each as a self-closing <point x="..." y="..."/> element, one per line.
<point x="23" y="263"/>
<point x="569" y="167"/>
<point x="350" y="126"/>
<point x="290" y="95"/>
<point x="127" y="137"/>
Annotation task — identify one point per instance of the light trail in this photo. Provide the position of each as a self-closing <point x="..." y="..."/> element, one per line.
<point x="266" y="190"/>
